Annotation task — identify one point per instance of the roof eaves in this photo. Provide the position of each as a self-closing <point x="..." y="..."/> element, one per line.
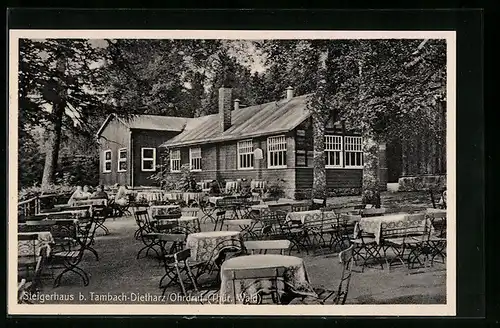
<point x="222" y="139"/>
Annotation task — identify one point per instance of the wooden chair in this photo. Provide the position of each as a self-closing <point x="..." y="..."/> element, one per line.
<point x="175" y="265"/>
<point x="146" y="233"/>
<point x="31" y="262"/>
<point x="339" y="295"/>
<point x="69" y="249"/>
<point x="301" y="207"/>
<point x="365" y="247"/>
<point x="263" y="246"/>
<point x="437" y="241"/>
<point x="407" y="241"/>
<point x="260" y="296"/>
<point x="100" y="214"/>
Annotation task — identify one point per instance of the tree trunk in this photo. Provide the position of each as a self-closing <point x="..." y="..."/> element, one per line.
<point x="319" y="171"/>
<point x="54" y="128"/>
<point x="320" y="113"/>
<point x="371" y="180"/>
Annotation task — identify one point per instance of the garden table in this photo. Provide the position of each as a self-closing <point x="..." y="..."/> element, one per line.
<point x="25" y="247"/>
<point x="398" y="220"/>
<point x="77" y="214"/>
<point x="206" y="246"/>
<point x="164" y="210"/>
<point x="304" y="216"/>
<point x="96" y="201"/>
<point x="187" y="223"/>
<point x="295" y="280"/>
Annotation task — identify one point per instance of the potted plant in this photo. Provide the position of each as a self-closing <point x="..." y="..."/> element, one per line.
<point x="275" y="190"/>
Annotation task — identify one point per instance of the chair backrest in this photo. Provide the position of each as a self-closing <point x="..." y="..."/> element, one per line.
<point x="259" y="185"/>
<point x="301" y="207"/>
<point x="370" y="212"/>
<point x="141" y="218"/>
<point x="272" y="274"/>
<point x="232" y="187"/>
<point x="346" y="259"/>
<point x="190" y="211"/>
<point x="266" y="245"/>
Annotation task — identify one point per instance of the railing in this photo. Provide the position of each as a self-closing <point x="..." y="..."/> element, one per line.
<point x="33" y="205"/>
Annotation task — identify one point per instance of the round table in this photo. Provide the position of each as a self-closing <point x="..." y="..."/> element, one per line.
<point x="294" y="280"/>
<point x="206" y="246"/>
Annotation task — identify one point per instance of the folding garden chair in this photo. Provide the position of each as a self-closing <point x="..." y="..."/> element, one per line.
<point x="30" y="261"/>
<point x="407" y="242"/>
<point x="365" y="247"/>
<point x="437" y="240"/>
<point x="69" y="249"/>
<point x="339" y="295"/>
<point x="99" y="214"/>
<point x="249" y="294"/>
<point x="175" y="265"/>
<point x="146" y="233"/>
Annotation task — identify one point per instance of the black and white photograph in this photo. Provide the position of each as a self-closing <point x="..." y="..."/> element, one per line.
<point x="208" y="172"/>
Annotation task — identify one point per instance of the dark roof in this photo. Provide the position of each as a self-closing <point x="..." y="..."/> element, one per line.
<point x="149" y="122"/>
<point x="252" y="121"/>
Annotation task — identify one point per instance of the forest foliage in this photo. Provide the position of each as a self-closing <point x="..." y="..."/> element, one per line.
<point x="389" y="88"/>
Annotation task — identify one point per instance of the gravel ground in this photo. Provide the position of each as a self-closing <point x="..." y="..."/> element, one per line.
<point x="118" y="271"/>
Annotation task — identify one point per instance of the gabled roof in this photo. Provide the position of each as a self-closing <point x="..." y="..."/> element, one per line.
<point x="252" y="121"/>
<point x="148" y="122"/>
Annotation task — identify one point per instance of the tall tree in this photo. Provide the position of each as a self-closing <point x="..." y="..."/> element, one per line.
<point x="60" y="88"/>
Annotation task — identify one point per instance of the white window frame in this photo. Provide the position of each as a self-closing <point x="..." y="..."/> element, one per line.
<point x="121" y="160"/>
<point x="356" y="147"/>
<point x="334" y="143"/>
<point x="191" y="158"/>
<point x="105" y="161"/>
<point x="148" y="159"/>
<point x="176" y="158"/>
<point x="272" y="147"/>
<point x="245" y="148"/>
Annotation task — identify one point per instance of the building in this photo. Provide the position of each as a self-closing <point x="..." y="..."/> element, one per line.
<point x="128" y="147"/>
<point x="222" y="147"/>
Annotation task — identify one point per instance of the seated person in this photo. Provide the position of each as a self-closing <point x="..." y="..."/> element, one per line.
<point x="86" y="192"/>
<point x="442" y="201"/>
<point x="121" y="196"/>
<point x="214" y="188"/>
<point x="99" y="193"/>
<point x="77" y="195"/>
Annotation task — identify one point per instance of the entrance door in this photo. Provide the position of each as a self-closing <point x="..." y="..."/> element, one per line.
<point x="394" y="161"/>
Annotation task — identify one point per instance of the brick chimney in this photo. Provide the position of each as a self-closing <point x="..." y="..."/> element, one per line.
<point x="225" y="106"/>
<point x="289" y="93"/>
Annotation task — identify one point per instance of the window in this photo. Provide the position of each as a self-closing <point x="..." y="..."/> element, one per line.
<point x="107" y="161"/>
<point x="353" y="152"/>
<point x="175" y="160"/>
<point x="148" y="162"/>
<point x="276" y="152"/>
<point x="195" y="159"/>
<point x="245" y="155"/>
<point x="333" y="151"/>
<point x="122" y="160"/>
